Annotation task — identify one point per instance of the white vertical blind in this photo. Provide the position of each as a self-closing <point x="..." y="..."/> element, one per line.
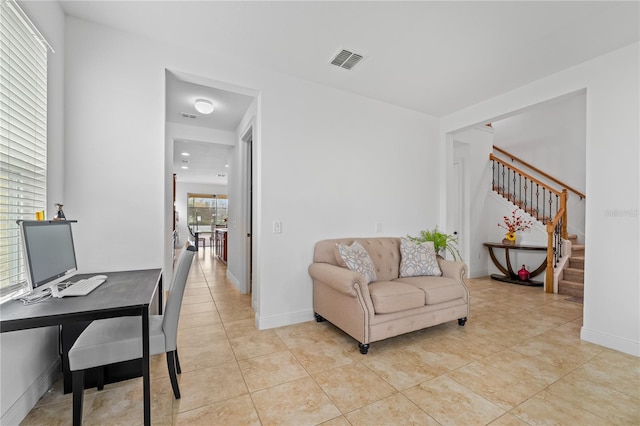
<point x="23" y="134"/>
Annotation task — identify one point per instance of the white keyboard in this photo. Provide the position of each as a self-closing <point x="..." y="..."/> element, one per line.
<point x="79" y="288"/>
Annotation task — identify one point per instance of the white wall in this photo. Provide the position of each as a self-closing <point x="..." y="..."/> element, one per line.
<point x="28" y="359"/>
<point x="328" y="163"/>
<point x="612" y="292"/>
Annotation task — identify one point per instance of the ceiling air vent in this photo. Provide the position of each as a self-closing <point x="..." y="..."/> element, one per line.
<point x="187" y="115"/>
<point x="346" y="59"/>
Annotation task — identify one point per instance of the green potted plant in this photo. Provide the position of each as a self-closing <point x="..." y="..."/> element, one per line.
<point x="441" y="242"/>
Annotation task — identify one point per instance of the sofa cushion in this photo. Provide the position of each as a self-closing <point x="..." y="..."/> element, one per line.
<point x="436" y="289"/>
<point x="357" y="259"/>
<point x="393" y="296"/>
<point x="418" y="259"/>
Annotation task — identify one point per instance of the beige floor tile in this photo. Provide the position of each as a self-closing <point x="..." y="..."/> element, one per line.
<point x="616" y="407"/>
<point x="197" y="292"/>
<point x="198" y="307"/>
<point x="300" y="402"/>
<point x="122" y="405"/>
<point x="547" y="409"/>
<point x="209" y="354"/>
<point x="199" y="319"/>
<point x="207" y="386"/>
<point x="508" y="420"/>
<point x="56" y="413"/>
<point x="616" y="370"/>
<point x="308" y="333"/>
<point x="197" y="336"/>
<point x="352" y="386"/>
<point x="236" y="314"/>
<point x="392" y="411"/>
<point x="450" y="403"/>
<point x="269" y="370"/>
<point x="232" y="412"/>
<point x="337" y="421"/>
<point x="325" y="356"/>
<point x="525" y="366"/>
<point x="503" y="388"/>
<point x="441" y="353"/>
<point x="400" y="368"/>
<point x="253" y="345"/>
<point x="558" y="352"/>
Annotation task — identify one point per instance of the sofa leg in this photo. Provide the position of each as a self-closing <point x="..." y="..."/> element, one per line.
<point x="364" y="348"/>
<point x="462" y="321"/>
<point x="319" y="318"/>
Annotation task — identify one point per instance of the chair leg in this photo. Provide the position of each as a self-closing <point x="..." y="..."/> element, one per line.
<point x="178" y="369"/>
<point x="77" y="384"/>
<point x="100" y="378"/>
<point x="171" y="364"/>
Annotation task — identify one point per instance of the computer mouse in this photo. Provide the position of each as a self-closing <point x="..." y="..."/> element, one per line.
<point x="98" y="277"/>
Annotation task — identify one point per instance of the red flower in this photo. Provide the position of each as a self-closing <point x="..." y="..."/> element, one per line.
<point x="515" y="223"/>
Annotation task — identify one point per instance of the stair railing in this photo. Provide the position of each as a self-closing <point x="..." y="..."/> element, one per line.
<point x="538" y="199"/>
<point x="540" y="172"/>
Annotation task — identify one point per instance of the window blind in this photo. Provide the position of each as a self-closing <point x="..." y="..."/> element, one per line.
<point x="23" y="135"/>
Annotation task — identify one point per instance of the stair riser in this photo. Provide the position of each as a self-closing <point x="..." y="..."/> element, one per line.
<point x="576" y="263"/>
<point x="570" y="289"/>
<point x="573" y="276"/>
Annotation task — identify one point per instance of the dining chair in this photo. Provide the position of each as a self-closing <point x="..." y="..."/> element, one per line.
<point x="112" y="340"/>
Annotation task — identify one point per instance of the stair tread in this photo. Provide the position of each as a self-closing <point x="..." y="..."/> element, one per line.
<point x="574" y="270"/>
<point x="571" y="283"/>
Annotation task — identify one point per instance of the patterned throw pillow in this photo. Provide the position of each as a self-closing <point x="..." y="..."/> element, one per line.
<point x="356" y="258"/>
<point x="418" y="259"/>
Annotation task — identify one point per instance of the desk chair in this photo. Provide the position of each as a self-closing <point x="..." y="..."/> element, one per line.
<point x="112" y="340"/>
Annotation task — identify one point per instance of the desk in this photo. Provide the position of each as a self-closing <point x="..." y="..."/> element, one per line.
<point x="509" y="275"/>
<point x="126" y="293"/>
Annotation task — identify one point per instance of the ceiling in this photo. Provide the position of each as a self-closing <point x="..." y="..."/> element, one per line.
<point x="209" y="152"/>
<point x="428" y="56"/>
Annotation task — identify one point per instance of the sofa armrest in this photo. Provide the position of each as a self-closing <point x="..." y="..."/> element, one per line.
<point x="453" y="269"/>
<point x="336" y="277"/>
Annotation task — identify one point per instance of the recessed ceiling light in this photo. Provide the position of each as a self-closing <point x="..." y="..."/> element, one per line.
<point x="186" y="154"/>
<point x="204" y="106"/>
<point x="185" y="167"/>
<point x="226" y="165"/>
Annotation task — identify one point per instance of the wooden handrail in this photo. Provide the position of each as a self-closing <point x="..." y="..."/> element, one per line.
<point x="528" y="176"/>
<point x="535" y="169"/>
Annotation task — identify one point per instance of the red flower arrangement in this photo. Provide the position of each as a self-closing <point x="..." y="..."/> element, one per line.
<point x="515" y="223"/>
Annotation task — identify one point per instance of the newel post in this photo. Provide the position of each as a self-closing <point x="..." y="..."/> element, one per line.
<point x="563" y="204"/>
<point x="548" y="281"/>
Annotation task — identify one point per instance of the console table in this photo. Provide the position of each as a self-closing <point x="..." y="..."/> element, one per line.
<point x="511" y="276"/>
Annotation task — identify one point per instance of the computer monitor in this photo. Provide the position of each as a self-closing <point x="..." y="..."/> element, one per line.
<point x="49" y="253"/>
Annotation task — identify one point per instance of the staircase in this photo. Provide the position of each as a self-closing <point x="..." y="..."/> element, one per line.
<point x="572" y="281"/>
<point x="548" y="205"/>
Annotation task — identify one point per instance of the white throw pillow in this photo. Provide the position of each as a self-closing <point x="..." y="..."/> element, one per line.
<point x="418" y="259"/>
<point x="356" y="258"/>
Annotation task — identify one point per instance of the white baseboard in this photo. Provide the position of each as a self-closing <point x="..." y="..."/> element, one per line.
<point x="612" y="342"/>
<point x="234" y="280"/>
<point x="20" y="409"/>
<point x="274" y="321"/>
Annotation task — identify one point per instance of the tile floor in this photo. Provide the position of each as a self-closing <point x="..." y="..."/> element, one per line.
<point x="518" y="361"/>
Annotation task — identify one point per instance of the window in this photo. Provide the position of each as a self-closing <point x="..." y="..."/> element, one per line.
<point x="23" y="135"/>
<point x="205" y="212"/>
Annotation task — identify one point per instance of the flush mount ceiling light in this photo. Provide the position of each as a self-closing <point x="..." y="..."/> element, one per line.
<point x="204" y="106"/>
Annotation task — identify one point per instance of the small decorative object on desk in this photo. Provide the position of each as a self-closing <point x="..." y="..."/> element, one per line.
<point x="523" y="274"/>
<point x="513" y="224"/>
<point x="59" y="213"/>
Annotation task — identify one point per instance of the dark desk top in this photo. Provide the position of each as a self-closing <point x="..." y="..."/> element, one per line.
<point x="124" y="292"/>
<point x="515" y="246"/>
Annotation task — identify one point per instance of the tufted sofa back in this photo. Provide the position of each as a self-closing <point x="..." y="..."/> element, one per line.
<point x="384" y="252"/>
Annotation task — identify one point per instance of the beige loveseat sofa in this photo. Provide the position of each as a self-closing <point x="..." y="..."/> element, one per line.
<point x="391" y="305"/>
